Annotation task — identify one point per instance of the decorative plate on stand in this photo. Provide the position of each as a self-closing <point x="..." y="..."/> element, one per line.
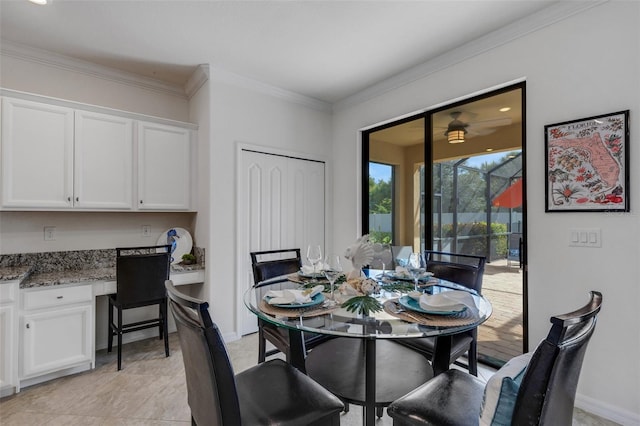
<point x="179" y="239"/>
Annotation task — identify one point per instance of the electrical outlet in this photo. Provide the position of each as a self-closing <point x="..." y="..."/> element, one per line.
<point x="49" y="233"/>
<point x="146" y="230"/>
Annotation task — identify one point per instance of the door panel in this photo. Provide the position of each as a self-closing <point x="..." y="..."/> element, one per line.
<point x="282" y="206"/>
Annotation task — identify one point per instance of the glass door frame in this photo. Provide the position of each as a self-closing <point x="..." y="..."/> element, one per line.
<point x="427" y="116"/>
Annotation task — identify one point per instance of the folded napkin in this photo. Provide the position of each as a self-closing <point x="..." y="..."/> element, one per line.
<point x="455" y="300"/>
<point x="286" y="297"/>
<point x="402" y="272"/>
<point x="308" y="269"/>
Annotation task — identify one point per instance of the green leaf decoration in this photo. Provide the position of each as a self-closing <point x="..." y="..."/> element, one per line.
<point x="362" y="305"/>
<point x="401" y="286"/>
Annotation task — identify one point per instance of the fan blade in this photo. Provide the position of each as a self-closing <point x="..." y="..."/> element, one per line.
<point x="495" y="122"/>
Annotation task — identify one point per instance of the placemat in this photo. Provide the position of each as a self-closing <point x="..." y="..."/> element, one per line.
<point x="465" y="317"/>
<point x="297" y="278"/>
<point x="308" y="312"/>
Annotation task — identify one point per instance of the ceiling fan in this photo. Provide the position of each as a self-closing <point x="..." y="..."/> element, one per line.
<point x="457" y="129"/>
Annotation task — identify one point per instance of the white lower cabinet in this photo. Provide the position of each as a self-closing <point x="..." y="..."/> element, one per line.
<point x="8" y="338"/>
<point x="56" y="332"/>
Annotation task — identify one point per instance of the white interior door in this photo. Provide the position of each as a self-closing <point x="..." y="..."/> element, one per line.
<point x="282" y="205"/>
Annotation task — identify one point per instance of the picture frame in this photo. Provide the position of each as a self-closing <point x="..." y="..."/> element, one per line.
<point x="587" y="164"/>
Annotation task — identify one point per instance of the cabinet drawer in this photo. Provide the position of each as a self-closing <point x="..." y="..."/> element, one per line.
<point x="8" y="292"/>
<point x="56" y="297"/>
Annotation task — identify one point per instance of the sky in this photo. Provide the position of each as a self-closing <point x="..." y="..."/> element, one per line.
<point x="380" y="171"/>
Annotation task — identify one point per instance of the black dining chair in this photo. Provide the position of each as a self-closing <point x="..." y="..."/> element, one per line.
<point x="270" y="264"/>
<point x="466" y="270"/>
<point x="140" y="276"/>
<point x="537" y="388"/>
<point x="270" y="393"/>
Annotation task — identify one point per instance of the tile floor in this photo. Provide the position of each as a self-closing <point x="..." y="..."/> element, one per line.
<point x="149" y="390"/>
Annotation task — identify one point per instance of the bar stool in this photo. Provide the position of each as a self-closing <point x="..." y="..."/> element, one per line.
<point x="140" y="274"/>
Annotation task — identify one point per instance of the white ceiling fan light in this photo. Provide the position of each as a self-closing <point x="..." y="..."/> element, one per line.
<point x="40" y="2"/>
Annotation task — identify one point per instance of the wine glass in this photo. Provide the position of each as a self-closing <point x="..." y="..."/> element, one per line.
<point x="416" y="266"/>
<point x="332" y="270"/>
<point x="314" y="256"/>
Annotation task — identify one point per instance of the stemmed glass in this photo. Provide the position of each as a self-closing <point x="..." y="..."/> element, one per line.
<point x="332" y="270"/>
<point x="386" y="259"/>
<point x="314" y="256"/>
<point x="417" y="266"/>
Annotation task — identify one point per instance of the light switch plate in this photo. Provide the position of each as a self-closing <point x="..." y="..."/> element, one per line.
<point x="585" y="237"/>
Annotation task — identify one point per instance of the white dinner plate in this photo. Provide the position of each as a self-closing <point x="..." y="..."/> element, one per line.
<point x="183" y="243"/>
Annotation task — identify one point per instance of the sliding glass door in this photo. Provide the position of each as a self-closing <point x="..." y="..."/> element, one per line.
<point x="454" y="182"/>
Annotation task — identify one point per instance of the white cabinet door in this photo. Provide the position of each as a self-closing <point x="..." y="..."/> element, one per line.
<point x="103" y="169"/>
<point x="164" y="155"/>
<point x="7" y="346"/>
<point x="37" y="154"/>
<point x="56" y="339"/>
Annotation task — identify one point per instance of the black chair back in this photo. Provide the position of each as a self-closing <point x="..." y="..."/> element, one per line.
<point x="548" y="389"/>
<point x="211" y="386"/>
<point x="463" y="269"/>
<point x="545" y="395"/>
<point x="273" y="263"/>
<point x="140" y="277"/>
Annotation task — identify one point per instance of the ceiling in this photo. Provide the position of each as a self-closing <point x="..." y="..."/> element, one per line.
<point x="325" y="50"/>
<point x="482" y="117"/>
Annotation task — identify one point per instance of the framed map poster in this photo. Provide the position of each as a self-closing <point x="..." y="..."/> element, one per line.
<point x="587" y="164"/>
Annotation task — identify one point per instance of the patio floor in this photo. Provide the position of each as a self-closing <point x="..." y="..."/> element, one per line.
<point x="500" y="337"/>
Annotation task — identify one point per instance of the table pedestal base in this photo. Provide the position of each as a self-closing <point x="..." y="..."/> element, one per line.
<point x="367" y="372"/>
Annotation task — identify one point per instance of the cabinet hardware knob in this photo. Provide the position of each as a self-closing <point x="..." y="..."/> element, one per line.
<point x="59" y="297"/>
<point x="68" y="198"/>
<point x="140" y="201"/>
<point x="77" y="198"/>
<point x="28" y="326"/>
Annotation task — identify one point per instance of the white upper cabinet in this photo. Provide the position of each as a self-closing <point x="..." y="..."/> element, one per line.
<point x="103" y="161"/>
<point x="37" y="154"/>
<point x="164" y="155"/>
<point x="58" y="155"/>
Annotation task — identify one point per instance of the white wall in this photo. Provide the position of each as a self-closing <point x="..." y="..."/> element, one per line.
<point x="199" y="112"/>
<point x="48" y="79"/>
<point x="582" y="66"/>
<point x="244" y="115"/>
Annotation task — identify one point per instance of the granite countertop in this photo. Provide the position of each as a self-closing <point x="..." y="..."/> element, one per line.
<point x="29" y="280"/>
<point x="15" y="273"/>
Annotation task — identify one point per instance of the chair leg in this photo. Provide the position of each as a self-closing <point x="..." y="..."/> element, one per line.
<point x="110" y="328"/>
<point x="473" y="357"/>
<point x="262" y="345"/>
<point x="165" y="326"/>
<point x="119" y="338"/>
<point x="160" y="328"/>
<point x="379" y="412"/>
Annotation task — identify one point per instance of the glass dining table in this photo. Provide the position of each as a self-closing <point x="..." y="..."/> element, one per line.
<point x="363" y="364"/>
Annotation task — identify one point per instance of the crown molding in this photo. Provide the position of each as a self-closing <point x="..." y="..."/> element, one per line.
<point x="224" y="76"/>
<point x="197" y="79"/>
<point x="517" y="29"/>
<point x="47" y="58"/>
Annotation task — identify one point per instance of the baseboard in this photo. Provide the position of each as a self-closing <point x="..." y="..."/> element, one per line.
<point x="134" y="336"/>
<point x="607" y="411"/>
<point x="84" y="366"/>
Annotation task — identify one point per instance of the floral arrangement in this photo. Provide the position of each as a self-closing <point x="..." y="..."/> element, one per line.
<point x="359" y="291"/>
